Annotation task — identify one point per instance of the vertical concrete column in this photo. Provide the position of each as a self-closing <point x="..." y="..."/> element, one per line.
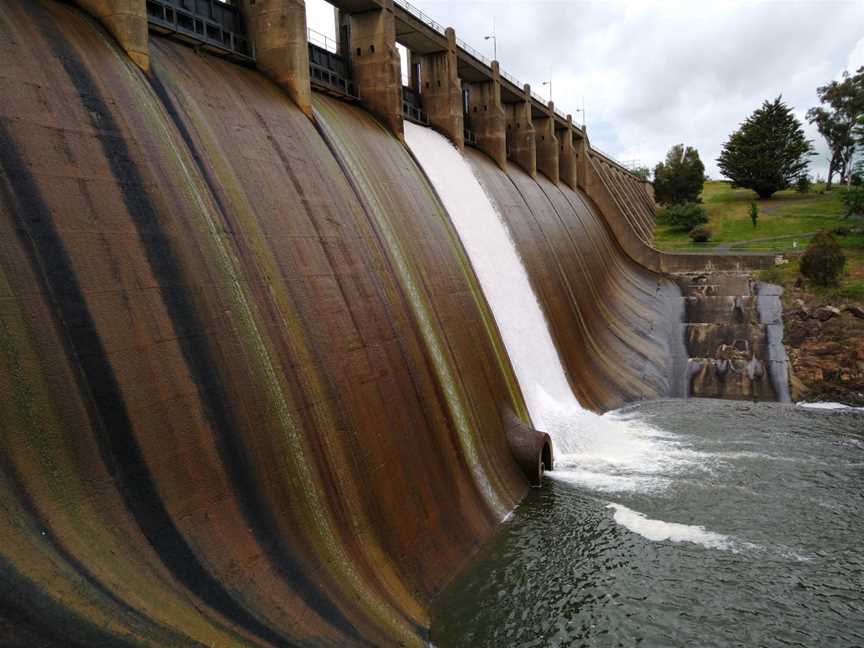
<point x="547" y="144"/>
<point x="126" y="20"/>
<point x="567" y="155"/>
<point x="376" y="66"/>
<point x="582" y="162"/>
<point x="442" y="92"/>
<point x="278" y="30"/>
<point x="487" y="119"/>
<point x="523" y="148"/>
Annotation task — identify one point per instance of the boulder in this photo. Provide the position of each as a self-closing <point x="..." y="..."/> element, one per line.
<point x="855" y="310"/>
<point x="824" y="313"/>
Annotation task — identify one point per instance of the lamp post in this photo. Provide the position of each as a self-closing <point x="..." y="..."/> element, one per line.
<point x="549" y="83"/>
<point x="494" y="41"/>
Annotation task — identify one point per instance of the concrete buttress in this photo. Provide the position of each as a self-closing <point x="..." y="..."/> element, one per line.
<point x="567" y="155"/>
<point x="487" y="119"/>
<point x="547" y="144"/>
<point x="126" y="20"/>
<point x="375" y="64"/>
<point x="523" y="148"/>
<point x="278" y="30"/>
<point x="442" y="92"/>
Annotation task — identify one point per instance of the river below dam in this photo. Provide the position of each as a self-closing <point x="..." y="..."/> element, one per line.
<point x="685" y="523"/>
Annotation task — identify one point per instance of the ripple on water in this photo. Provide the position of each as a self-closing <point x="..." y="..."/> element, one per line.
<point x="748" y="534"/>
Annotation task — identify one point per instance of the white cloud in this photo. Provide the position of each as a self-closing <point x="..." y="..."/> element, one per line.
<point x="654" y="73"/>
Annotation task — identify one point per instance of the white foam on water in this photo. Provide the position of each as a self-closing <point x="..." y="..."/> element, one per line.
<point x="659" y="531"/>
<point x="606" y="453"/>
<point x="820" y="405"/>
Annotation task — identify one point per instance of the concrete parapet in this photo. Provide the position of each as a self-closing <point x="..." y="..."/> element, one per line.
<point x="442" y="92"/>
<point x="520" y="132"/>
<point x="546" y="144"/>
<point x="126" y="20"/>
<point x="278" y="30"/>
<point x="567" y="155"/>
<point x="375" y="64"/>
<point x="486" y="117"/>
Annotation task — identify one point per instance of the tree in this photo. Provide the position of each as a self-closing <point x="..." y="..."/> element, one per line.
<point x="684" y="216"/>
<point x="768" y="152"/>
<point x="823" y="261"/>
<point x="680" y="178"/>
<point x="842" y="109"/>
<point x="754" y="213"/>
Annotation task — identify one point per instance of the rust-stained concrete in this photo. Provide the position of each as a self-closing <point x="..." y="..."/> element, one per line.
<point x="251" y="393"/>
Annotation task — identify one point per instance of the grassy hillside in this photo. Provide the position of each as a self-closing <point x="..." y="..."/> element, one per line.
<point x="787" y="221"/>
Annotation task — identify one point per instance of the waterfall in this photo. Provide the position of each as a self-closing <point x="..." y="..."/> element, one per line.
<point x="600" y="451"/>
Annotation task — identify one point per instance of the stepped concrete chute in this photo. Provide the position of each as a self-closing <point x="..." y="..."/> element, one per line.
<point x="127" y="22"/>
<point x="734" y="337"/>
<point x="278" y="31"/>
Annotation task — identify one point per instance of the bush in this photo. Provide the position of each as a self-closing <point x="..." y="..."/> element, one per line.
<point x="853" y="201"/>
<point x="754" y="213"/>
<point x="684" y="216"/>
<point x="823" y="261"/>
<point x="700" y="234"/>
<point x="802" y="185"/>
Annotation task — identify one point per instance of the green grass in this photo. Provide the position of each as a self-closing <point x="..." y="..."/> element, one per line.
<point x="787" y="213"/>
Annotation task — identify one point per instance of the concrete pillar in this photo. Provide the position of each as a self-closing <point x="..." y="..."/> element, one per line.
<point x="567" y="155"/>
<point x="441" y="92"/>
<point x="547" y="144"/>
<point x="278" y="30"/>
<point x="376" y="66"/>
<point x="523" y="149"/>
<point x="125" y="20"/>
<point x="486" y="117"/>
<point x="581" y="149"/>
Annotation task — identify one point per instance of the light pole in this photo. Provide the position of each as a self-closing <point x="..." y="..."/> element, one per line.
<point x="549" y="83"/>
<point x="582" y="110"/>
<point x="494" y="41"/>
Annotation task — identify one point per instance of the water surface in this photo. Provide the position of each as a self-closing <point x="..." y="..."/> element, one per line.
<point x="695" y="523"/>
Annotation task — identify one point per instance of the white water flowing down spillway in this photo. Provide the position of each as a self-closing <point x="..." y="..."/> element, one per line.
<point x="609" y="453"/>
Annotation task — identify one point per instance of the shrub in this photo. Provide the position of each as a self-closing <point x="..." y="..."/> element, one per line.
<point x="700" y="234"/>
<point x="823" y="261"/>
<point x="802" y="184"/>
<point x="754" y="212"/>
<point x="853" y="201"/>
<point x="684" y="216"/>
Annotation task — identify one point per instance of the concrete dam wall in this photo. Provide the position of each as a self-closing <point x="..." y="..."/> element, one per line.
<point x="251" y="391"/>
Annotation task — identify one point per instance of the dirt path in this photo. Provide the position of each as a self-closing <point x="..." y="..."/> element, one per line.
<point x="725" y="247"/>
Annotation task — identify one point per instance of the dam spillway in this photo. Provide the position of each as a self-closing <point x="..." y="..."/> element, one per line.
<point x="252" y="392"/>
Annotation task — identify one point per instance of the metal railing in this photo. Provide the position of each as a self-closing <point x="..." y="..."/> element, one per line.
<point x="323" y="41"/>
<point x="538" y="98"/>
<point x="412" y="107"/>
<point x="330" y="72"/>
<point x="512" y="79"/>
<point x="216" y="25"/>
<point x="473" y="52"/>
<point x="422" y="17"/>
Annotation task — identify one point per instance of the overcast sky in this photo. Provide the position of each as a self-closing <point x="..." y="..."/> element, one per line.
<point x="655" y="73"/>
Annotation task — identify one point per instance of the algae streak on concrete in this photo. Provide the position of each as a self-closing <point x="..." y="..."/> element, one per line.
<point x="229" y="417"/>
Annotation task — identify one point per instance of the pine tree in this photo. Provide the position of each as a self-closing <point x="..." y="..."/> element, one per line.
<point x="680" y="178"/>
<point x="768" y="152"/>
